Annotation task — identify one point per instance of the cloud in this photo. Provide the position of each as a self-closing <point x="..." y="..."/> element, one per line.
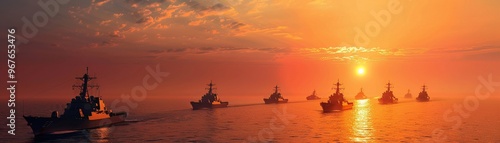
<point x="213" y="31"/>
<point x="213" y="50"/>
<point x="118" y="15"/>
<point x="105" y="22"/>
<point x="168" y="50"/>
<point x="149" y="18"/>
<point x="146" y="2"/>
<point x="353" y="54"/>
<point x="146" y="20"/>
<point x="99" y="2"/>
<point x="168" y="12"/>
<point x="117" y="34"/>
<point x="184" y="13"/>
<point x="484" y="52"/>
<point x="235" y="25"/>
<point x="123" y="25"/>
<point x="161" y="26"/>
<point x="153" y="5"/>
<point x="130" y="29"/>
<point x="196" y="22"/>
<point x="256" y="6"/>
<point x="465" y="50"/>
<point x="102" y="44"/>
<point x="143" y="12"/>
<point x="204" y="11"/>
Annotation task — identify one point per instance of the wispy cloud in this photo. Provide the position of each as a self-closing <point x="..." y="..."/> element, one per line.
<point x="204" y="11"/>
<point x="196" y="22"/>
<point x="352" y="54"/>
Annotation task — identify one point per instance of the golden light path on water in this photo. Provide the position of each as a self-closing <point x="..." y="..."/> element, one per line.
<point x="101" y="134"/>
<point x="362" y="128"/>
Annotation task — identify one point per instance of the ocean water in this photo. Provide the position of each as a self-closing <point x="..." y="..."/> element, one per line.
<point x="300" y="121"/>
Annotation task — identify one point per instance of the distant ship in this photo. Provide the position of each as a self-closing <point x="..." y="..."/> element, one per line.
<point x="336" y="101"/>
<point x="313" y="96"/>
<point x="408" y="95"/>
<point x="83" y="112"/>
<point x="387" y="96"/>
<point x="422" y="96"/>
<point x="275" y="97"/>
<point x="209" y="100"/>
<point x="360" y="95"/>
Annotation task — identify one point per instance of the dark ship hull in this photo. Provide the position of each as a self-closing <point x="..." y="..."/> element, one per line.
<point x="327" y="107"/>
<point x="271" y="101"/>
<point x="313" y="98"/>
<point x="387" y="101"/>
<point x="201" y="105"/>
<point x="422" y="99"/>
<point x="48" y="125"/>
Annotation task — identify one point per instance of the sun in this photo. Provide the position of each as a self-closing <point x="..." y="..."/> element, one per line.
<point x="361" y="71"/>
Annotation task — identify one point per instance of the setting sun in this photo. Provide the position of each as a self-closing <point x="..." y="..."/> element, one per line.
<point x="361" y="71"/>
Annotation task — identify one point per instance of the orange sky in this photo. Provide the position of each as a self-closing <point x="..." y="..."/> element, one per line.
<point x="248" y="46"/>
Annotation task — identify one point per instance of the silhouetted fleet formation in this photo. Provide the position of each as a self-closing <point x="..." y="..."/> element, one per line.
<point x="336" y="101"/>
<point x="86" y="111"/>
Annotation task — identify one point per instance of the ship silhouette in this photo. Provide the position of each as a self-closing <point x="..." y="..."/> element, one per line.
<point x="275" y="97"/>
<point x="360" y="95"/>
<point x="408" y="95"/>
<point x="423" y="96"/>
<point x="209" y="100"/>
<point x="336" y="101"/>
<point x="313" y="96"/>
<point x="388" y="96"/>
<point x="83" y="112"/>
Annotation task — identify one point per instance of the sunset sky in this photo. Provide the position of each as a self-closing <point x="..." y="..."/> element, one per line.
<point x="248" y="46"/>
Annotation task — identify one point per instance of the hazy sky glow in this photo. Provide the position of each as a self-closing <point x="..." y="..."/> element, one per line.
<point x="248" y="46"/>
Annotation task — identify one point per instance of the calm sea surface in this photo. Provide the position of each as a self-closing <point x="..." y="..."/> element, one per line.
<point x="302" y="121"/>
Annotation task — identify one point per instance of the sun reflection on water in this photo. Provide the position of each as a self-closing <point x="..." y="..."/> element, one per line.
<point x="100" y="134"/>
<point x="362" y="126"/>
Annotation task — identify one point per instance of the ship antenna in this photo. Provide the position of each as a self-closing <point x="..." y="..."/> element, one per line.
<point x="389" y="86"/>
<point x="210" y="87"/>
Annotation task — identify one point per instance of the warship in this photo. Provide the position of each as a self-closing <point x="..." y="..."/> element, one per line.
<point x="313" y="96"/>
<point x="408" y="95"/>
<point x="83" y="112"/>
<point x="336" y="102"/>
<point x="275" y="97"/>
<point x="360" y="95"/>
<point x="209" y="100"/>
<point x="422" y="96"/>
<point x="387" y="96"/>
